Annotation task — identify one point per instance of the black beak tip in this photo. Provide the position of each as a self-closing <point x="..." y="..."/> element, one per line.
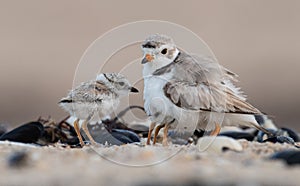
<point x="144" y="61"/>
<point x="132" y="89"/>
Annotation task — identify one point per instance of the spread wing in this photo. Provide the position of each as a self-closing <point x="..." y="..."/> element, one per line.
<point x="201" y="84"/>
<point x="87" y="92"/>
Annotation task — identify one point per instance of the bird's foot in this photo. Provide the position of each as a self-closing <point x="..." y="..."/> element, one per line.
<point x="216" y="131"/>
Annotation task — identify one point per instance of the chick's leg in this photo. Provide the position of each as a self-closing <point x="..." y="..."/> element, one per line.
<point x="77" y="130"/>
<point x="87" y="132"/>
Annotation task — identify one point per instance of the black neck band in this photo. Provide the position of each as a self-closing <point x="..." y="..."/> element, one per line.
<point x="176" y="57"/>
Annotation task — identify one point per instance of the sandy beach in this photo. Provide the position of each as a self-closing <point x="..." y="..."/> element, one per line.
<point x="145" y="165"/>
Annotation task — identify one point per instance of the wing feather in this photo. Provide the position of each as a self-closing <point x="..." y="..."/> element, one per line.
<point x="201" y="84"/>
<point x="90" y="91"/>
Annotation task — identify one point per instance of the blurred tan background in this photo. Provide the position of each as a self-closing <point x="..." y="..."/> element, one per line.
<point x="41" y="43"/>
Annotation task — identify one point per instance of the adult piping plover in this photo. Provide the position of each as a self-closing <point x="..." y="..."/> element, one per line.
<point x="189" y="92"/>
<point x="93" y="100"/>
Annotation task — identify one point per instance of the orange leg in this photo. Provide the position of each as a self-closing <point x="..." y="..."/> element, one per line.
<point x="87" y="132"/>
<point x="165" y="138"/>
<point x="152" y="125"/>
<point x="216" y="131"/>
<point x="77" y="130"/>
<point x="157" y="129"/>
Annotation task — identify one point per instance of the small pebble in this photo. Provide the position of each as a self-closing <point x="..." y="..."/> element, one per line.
<point x="17" y="159"/>
<point x="218" y="144"/>
<point x="238" y="135"/>
<point x="290" y="157"/>
<point x="280" y="139"/>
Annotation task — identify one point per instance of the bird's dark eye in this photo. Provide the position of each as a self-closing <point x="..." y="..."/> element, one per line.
<point x="121" y="83"/>
<point x="164" y="51"/>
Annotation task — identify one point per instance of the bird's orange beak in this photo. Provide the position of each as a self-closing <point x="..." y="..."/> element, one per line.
<point x="147" y="58"/>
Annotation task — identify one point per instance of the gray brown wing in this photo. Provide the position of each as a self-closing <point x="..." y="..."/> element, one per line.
<point x="90" y="91"/>
<point x="201" y="84"/>
<point x="207" y="98"/>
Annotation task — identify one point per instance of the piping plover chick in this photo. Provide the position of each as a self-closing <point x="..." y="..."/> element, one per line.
<point x="190" y="92"/>
<point x="94" y="100"/>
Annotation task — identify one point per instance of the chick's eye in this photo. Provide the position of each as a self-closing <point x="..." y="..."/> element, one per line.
<point x="121" y="83"/>
<point x="164" y="51"/>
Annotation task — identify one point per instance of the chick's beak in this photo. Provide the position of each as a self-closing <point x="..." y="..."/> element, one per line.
<point x="133" y="89"/>
<point x="147" y="58"/>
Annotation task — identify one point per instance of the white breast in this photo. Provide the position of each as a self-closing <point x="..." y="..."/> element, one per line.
<point x="162" y="110"/>
<point x="154" y="98"/>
